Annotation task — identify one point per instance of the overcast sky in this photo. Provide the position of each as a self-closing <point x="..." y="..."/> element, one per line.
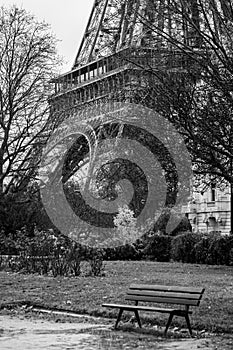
<point x="68" y="19"/>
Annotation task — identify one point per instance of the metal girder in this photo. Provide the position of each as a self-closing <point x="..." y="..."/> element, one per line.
<point x="116" y="24"/>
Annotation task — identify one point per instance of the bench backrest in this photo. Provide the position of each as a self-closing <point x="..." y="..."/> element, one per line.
<point x="165" y="294"/>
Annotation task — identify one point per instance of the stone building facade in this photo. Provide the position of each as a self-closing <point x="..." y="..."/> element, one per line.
<point x="210" y="211"/>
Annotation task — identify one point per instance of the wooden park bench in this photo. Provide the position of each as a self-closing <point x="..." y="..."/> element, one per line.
<point x="158" y="294"/>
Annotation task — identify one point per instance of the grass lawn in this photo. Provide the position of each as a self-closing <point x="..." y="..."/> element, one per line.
<point x="86" y="294"/>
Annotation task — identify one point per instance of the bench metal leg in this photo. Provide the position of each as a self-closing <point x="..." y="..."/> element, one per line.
<point x="168" y="323"/>
<point x="119" y="317"/>
<point x="137" y="318"/>
<point x="188" y="324"/>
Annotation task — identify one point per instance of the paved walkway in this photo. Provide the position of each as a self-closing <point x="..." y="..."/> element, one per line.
<point x="21" y="333"/>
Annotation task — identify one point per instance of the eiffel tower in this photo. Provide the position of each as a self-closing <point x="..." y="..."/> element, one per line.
<point x="122" y="39"/>
<point x="124" y="43"/>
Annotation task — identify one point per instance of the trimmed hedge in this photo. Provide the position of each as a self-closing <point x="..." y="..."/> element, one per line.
<point x="182" y="247"/>
<point x="124" y="252"/>
<point x="196" y="248"/>
<point x="212" y="249"/>
<point x="158" y="248"/>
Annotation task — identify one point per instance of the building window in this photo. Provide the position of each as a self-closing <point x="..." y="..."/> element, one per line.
<point x="213" y="192"/>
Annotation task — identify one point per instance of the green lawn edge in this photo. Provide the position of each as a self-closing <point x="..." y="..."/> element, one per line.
<point x="85" y="295"/>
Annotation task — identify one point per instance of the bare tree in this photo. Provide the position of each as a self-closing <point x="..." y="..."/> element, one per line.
<point x="27" y="62"/>
<point x="197" y="94"/>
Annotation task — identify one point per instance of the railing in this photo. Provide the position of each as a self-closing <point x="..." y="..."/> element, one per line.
<point x="143" y="57"/>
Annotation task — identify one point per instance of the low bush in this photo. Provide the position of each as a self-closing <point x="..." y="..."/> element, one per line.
<point x="96" y="262"/>
<point x="182" y="247"/>
<point x="158" y="248"/>
<point x="214" y="249"/>
<point x="7" y="244"/>
<point x="54" y="254"/>
<point x="219" y="251"/>
<point x="46" y="253"/>
<point x="201" y="250"/>
<point x="231" y="257"/>
<point x="123" y="252"/>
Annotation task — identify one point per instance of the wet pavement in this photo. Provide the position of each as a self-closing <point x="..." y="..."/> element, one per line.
<point x="41" y="334"/>
<point x="35" y="334"/>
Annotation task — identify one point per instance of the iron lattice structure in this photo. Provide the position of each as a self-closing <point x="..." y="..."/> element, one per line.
<point x="124" y="44"/>
<point x="115" y="25"/>
<point x="127" y="46"/>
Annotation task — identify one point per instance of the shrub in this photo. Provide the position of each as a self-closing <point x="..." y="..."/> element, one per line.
<point x="231" y="257"/>
<point x="125" y="224"/>
<point x="219" y="250"/>
<point x="182" y="247"/>
<point x="158" y="248"/>
<point x="46" y="253"/>
<point x="96" y="262"/>
<point x="214" y="249"/>
<point x="122" y="242"/>
<point x="201" y="250"/>
<point x="7" y="244"/>
<point x="123" y="252"/>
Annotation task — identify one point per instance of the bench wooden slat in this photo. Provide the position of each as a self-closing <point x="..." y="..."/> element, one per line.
<point x="160" y="294"/>
<point x="141" y="308"/>
<point x="166" y="294"/>
<point x="168" y="288"/>
<point x="162" y="300"/>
